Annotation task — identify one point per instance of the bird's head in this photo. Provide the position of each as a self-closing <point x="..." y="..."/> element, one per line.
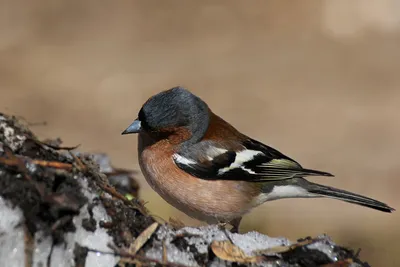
<point x="171" y="111"/>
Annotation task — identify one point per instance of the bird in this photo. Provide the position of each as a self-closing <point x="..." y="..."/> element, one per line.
<point x="203" y="166"/>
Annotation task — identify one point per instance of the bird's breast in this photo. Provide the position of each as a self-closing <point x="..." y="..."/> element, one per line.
<point x="206" y="200"/>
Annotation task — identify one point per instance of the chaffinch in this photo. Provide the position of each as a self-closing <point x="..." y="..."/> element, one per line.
<point x="204" y="167"/>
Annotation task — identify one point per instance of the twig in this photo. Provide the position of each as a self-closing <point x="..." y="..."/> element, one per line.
<point x="17" y="161"/>
<point x="12" y="160"/>
<point x="53" y="164"/>
<point x="164" y="253"/>
<point x="27" y="122"/>
<point x="20" y="161"/>
<point x="78" y="161"/>
<point x="38" y="123"/>
<point x="29" y="243"/>
<point x="37" y="141"/>
<point x="51" y="252"/>
<point x="123" y="253"/>
<point x="357" y="254"/>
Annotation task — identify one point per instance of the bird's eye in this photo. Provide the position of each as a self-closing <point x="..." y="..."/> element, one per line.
<point x="141" y="115"/>
<point x="142" y="119"/>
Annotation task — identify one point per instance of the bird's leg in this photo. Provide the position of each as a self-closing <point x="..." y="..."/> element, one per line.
<point x="221" y="226"/>
<point x="235" y="223"/>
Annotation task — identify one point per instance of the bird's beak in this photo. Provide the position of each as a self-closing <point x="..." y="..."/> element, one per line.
<point x="135" y="127"/>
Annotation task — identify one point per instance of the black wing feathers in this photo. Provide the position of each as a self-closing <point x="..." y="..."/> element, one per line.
<point x="254" y="162"/>
<point x="209" y="169"/>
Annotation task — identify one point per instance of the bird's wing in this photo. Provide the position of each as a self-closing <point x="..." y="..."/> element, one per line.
<point x="248" y="161"/>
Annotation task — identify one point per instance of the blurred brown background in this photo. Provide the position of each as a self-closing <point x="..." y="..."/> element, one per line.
<point x="319" y="80"/>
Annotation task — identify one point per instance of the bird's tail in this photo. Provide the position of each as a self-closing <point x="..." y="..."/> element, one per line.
<point x="343" y="195"/>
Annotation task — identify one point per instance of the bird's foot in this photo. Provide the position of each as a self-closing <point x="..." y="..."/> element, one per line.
<point x="222" y="225"/>
<point x="235" y="225"/>
<point x="235" y="229"/>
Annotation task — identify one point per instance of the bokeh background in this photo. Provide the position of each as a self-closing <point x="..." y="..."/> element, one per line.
<point x="319" y="80"/>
